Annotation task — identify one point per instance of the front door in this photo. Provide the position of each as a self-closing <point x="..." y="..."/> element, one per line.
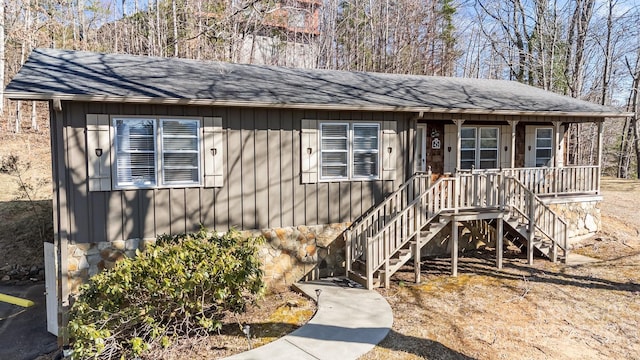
<point x="421" y="148"/>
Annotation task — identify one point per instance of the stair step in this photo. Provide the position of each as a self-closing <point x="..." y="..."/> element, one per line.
<point x="362" y="279"/>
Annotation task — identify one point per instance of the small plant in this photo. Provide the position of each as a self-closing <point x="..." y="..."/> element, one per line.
<point x="181" y="286"/>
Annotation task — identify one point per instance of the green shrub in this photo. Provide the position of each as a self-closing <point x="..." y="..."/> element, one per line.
<point x="183" y="285"/>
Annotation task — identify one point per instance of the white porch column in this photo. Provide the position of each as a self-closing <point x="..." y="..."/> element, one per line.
<point x="600" y="146"/>
<point x="458" y="123"/>
<point x="556" y="143"/>
<point x="513" y="123"/>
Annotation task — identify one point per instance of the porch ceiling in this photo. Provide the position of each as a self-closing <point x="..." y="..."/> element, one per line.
<point x="85" y="76"/>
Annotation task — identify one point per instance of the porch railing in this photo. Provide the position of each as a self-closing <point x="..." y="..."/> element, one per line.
<point x="529" y="209"/>
<point x="555" y="181"/>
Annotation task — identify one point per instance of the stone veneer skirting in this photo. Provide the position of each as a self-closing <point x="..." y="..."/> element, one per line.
<point x="291" y="254"/>
<point x="288" y="255"/>
<point x="583" y="217"/>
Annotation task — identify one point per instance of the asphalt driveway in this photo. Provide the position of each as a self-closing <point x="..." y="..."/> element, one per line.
<point x="23" y="331"/>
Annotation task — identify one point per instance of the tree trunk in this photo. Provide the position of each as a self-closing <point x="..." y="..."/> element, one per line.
<point x="2" y="56"/>
<point x="175" y="28"/>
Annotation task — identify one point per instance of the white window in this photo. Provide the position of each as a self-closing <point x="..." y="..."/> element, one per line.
<point x="349" y="151"/>
<point x="544" y="146"/>
<point x="156" y="152"/>
<point x="479" y="147"/>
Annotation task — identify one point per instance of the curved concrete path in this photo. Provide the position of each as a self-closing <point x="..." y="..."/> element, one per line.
<point x="349" y="322"/>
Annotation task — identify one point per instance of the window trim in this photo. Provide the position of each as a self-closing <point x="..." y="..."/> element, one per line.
<point x="535" y="146"/>
<point x="158" y="152"/>
<point x="350" y="151"/>
<point x="478" y="145"/>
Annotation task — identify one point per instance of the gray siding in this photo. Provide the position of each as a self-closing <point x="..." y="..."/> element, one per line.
<point x="262" y="187"/>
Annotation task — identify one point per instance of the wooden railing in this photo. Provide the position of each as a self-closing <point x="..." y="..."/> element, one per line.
<point x="374" y="220"/>
<point x="555" y="180"/>
<point x="479" y="190"/>
<point x="388" y="227"/>
<point x="407" y="223"/>
<point x="530" y="209"/>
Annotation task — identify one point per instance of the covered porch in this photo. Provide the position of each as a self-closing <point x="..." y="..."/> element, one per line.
<point x="536" y="150"/>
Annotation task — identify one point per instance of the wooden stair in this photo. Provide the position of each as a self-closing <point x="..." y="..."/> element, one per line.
<point x="400" y="258"/>
<point x="391" y="234"/>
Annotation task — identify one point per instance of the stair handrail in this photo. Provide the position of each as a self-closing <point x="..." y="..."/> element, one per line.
<point x="408" y="222"/>
<point x="545" y="220"/>
<point x="373" y="220"/>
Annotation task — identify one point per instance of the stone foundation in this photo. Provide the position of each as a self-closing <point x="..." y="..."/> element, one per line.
<point x="288" y="255"/>
<point x="583" y="217"/>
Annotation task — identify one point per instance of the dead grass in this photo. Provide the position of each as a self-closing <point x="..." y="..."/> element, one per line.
<point x="25" y="224"/>
<point x="547" y="311"/>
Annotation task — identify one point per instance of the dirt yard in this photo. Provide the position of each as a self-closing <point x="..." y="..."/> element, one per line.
<point x="548" y="311"/>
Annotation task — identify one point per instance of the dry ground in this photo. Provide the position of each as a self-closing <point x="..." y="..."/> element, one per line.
<point x="548" y="311"/>
<point x="25" y="223"/>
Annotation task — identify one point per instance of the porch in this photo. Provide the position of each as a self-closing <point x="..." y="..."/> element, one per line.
<point x="505" y="204"/>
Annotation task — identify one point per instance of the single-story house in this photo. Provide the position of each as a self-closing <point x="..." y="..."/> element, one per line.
<point x="342" y="172"/>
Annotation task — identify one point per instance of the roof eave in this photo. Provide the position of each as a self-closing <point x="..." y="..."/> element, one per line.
<point x="336" y="107"/>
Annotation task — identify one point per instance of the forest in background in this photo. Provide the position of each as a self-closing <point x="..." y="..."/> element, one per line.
<point x="587" y="49"/>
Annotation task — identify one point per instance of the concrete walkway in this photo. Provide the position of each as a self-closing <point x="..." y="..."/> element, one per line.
<point x="576" y="259"/>
<point x="349" y="322"/>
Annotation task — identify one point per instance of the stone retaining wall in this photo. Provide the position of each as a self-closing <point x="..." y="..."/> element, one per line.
<point x="288" y="254"/>
<point x="583" y="217"/>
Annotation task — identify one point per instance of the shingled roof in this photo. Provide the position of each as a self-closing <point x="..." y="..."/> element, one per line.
<point x="87" y="76"/>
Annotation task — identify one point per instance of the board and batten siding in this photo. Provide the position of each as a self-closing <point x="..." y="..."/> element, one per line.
<point x="262" y="185"/>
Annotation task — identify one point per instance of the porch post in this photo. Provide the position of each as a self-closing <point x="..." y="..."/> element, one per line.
<point x="512" y="162"/>
<point x="458" y="123"/>
<point x="600" y="146"/>
<point x="499" y="241"/>
<point x="454" y="246"/>
<point x="556" y="143"/>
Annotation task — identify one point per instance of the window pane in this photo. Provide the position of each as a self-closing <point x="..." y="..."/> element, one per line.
<point x="467" y="164"/>
<point x="489" y="143"/>
<point x="543" y="153"/>
<point x="180" y="151"/>
<point x="468" y="143"/>
<point x="332" y="158"/>
<point x="334" y="130"/>
<point x="544" y="146"/>
<point x="180" y="127"/>
<point x="180" y="144"/>
<point x="486" y="164"/>
<point x="468" y="155"/>
<point x="135" y="152"/>
<point x="334" y="171"/>
<point x="488" y="155"/>
<point x="544" y="133"/>
<point x="365" y="150"/>
<point x="365" y="164"/>
<point x="488" y="133"/>
<point x="468" y="133"/>
<point x="365" y="137"/>
<point x="543" y="143"/>
<point x="334" y="144"/>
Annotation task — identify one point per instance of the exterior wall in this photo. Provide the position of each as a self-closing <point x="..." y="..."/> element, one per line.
<point x="262" y="187"/>
<point x="262" y="190"/>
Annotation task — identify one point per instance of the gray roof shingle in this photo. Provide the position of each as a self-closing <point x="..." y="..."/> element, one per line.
<point x="77" y="75"/>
